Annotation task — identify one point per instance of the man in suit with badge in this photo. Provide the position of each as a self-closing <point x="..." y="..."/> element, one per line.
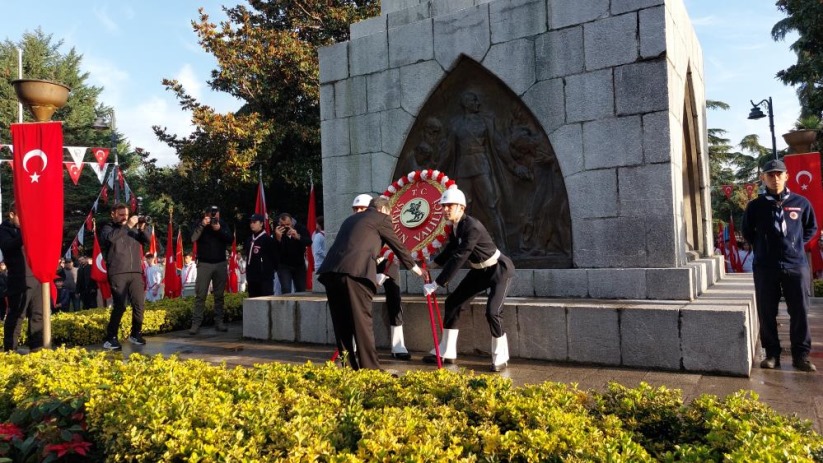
<point x="349" y="274"/>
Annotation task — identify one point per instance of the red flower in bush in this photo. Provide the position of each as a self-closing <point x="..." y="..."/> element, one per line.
<point x="9" y="431"/>
<point x="77" y="445"/>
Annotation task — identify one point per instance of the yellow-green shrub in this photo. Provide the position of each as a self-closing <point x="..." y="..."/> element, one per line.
<point x="151" y="409"/>
<point x="88" y="327"/>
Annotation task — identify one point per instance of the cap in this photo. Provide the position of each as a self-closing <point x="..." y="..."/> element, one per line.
<point x="774" y="165"/>
<point x="213" y="209"/>
<point x="256" y="218"/>
<point x="362" y="200"/>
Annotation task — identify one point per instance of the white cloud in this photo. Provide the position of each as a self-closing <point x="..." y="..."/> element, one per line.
<point x="103" y="18"/>
<point x="192" y="83"/>
<point x="136" y="124"/>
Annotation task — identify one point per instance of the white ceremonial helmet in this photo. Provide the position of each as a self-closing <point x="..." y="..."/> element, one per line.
<point x="362" y="200"/>
<point x="453" y="196"/>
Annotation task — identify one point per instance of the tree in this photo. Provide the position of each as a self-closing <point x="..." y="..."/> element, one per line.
<point x="267" y="57"/>
<point x="806" y="18"/>
<point x="43" y="59"/>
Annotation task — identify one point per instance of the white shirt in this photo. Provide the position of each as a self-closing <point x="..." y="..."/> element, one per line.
<point x="318" y="248"/>
<point x="189" y="273"/>
<point x="154" y="283"/>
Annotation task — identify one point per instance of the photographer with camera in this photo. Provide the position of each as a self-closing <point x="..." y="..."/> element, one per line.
<point x="292" y="240"/>
<point x="122" y="240"/>
<point x="212" y="236"/>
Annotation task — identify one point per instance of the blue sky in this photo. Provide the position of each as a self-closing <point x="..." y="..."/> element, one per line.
<point x="129" y="46"/>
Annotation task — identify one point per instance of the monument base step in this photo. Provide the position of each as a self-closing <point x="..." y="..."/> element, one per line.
<point x="716" y="332"/>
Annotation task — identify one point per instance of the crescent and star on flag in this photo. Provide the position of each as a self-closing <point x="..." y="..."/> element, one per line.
<point x="35" y="177"/>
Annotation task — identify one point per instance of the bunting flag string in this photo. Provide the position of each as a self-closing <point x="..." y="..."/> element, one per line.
<point x="101" y="154"/>
<point x="77" y="153"/>
<point x="74" y="171"/>
<point x="100" y="171"/>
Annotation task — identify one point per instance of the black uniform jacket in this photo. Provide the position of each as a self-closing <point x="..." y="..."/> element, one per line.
<point x="293" y="251"/>
<point x="469" y="240"/>
<point x="211" y="244"/>
<point x="261" y="259"/>
<point x="772" y="249"/>
<point x="11" y="243"/>
<point x="358" y="244"/>
<point x="123" y="247"/>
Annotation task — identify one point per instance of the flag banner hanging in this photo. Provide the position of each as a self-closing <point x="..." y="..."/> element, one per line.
<point x="260" y="206"/>
<point x="81" y="235"/>
<point x="170" y="280"/>
<point x="74" y="171"/>
<point x="98" y="270"/>
<point x="232" y="285"/>
<point x="75" y="250"/>
<point x="89" y="221"/>
<point x="804" y="179"/>
<point x="750" y="190"/>
<point x="727" y="190"/>
<point x="99" y="170"/>
<point x="101" y="154"/>
<point x="77" y="153"/>
<point x="126" y="190"/>
<point x="153" y="244"/>
<point x="311" y="225"/>
<point x="38" y="192"/>
<point x="133" y="203"/>
<point x="104" y="195"/>
<point x="178" y="257"/>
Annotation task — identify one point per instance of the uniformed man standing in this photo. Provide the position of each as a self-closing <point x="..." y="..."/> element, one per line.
<point x="778" y="224"/>
<point x="490" y="269"/>
<point x="262" y="259"/>
<point x="349" y="274"/>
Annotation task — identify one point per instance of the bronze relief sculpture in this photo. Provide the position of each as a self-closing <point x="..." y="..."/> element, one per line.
<point x="477" y="131"/>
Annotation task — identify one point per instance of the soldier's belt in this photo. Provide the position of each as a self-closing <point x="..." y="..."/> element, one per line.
<point x="488" y="262"/>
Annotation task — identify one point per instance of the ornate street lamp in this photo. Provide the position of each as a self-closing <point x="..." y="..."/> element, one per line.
<point x="757" y="113"/>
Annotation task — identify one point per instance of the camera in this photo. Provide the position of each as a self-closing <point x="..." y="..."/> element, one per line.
<point x="143" y="219"/>
<point x="213" y="211"/>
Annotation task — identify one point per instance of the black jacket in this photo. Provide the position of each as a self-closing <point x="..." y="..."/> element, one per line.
<point x="211" y="245"/>
<point x="772" y="249"/>
<point x="123" y="247"/>
<point x="293" y="251"/>
<point x="468" y="241"/>
<point x="357" y="246"/>
<point x="261" y="258"/>
<point x="11" y="243"/>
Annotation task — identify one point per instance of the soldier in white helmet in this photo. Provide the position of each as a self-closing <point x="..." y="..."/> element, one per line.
<point x="490" y="269"/>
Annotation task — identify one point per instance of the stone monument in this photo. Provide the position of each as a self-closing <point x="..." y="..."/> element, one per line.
<point x="577" y="130"/>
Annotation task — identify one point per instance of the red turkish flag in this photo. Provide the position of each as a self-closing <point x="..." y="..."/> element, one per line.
<point x="153" y="244"/>
<point x="178" y="257"/>
<point x="804" y="179"/>
<point x="171" y="281"/>
<point x="311" y="225"/>
<point x="727" y="190"/>
<point x="98" y="270"/>
<point x="260" y="206"/>
<point x="74" y="171"/>
<point x="133" y="202"/>
<point x="101" y="154"/>
<point x="89" y="222"/>
<point x="74" y="249"/>
<point x="233" y="283"/>
<point x="750" y="188"/>
<point x="104" y="195"/>
<point x="38" y="191"/>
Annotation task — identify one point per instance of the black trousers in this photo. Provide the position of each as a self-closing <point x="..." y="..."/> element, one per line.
<point x="496" y="279"/>
<point x="126" y="287"/>
<point x="393" y="303"/>
<point x="288" y="274"/>
<point x="264" y="287"/>
<point x="22" y="304"/>
<point x="793" y="284"/>
<point x="350" y="301"/>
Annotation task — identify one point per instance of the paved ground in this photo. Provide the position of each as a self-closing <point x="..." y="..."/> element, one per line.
<point x="786" y="390"/>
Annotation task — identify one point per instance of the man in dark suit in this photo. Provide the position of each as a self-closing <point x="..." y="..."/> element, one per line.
<point x="349" y="274"/>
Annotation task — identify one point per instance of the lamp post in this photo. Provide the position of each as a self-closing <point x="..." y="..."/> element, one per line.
<point x="101" y="124"/>
<point x="757" y="113"/>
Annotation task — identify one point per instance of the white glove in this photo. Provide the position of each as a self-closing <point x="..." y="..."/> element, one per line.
<point x="417" y="270"/>
<point x="381" y="278"/>
<point x="429" y="288"/>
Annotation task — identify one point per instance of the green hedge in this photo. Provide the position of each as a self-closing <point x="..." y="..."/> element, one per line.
<point x="150" y="409"/>
<point x="88" y="327"/>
